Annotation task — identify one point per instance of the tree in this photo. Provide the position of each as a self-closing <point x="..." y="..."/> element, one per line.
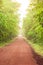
<point x="9" y="20"/>
<point x="33" y="23"/>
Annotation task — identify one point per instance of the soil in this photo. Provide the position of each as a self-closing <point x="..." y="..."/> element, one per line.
<point x="19" y="52"/>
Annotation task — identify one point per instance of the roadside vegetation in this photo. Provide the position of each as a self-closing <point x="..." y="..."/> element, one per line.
<point x="9" y="20"/>
<point x="33" y="25"/>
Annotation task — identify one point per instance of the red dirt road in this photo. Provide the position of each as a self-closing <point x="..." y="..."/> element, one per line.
<point x="17" y="53"/>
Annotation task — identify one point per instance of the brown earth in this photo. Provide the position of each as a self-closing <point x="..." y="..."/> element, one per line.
<point x="19" y="52"/>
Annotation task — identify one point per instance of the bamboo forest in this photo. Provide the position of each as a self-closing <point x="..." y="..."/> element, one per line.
<point x="21" y="32"/>
<point x="8" y="20"/>
<point x="33" y="24"/>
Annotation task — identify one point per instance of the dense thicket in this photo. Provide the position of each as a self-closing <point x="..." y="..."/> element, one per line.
<point x="33" y="22"/>
<point x="8" y="20"/>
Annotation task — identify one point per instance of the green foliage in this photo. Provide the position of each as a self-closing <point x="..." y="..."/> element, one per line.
<point x="8" y="20"/>
<point x="33" y="23"/>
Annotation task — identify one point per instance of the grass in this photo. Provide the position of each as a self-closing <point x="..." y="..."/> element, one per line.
<point x="37" y="47"/>
<point x="6" y="43"/>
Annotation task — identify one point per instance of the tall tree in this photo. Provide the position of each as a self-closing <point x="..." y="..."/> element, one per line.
<point x="9" y="20"/>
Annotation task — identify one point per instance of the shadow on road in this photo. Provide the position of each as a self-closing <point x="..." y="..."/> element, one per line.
<point x="38" y="58"/>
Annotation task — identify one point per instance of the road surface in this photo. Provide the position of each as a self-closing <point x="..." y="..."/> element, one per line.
<point x="17" y="53"/>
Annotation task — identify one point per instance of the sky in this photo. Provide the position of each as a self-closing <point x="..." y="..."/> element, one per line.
<point x="22" y="10"/>
<point x="23" y="7"/>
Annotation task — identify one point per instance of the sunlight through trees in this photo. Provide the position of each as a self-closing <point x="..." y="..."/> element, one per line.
<point x="33" y="23"/>
<point x="22" y="17"/>
<point x="9" y="20"/>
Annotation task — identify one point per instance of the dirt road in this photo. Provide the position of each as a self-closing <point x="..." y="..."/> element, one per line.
<point x="17" y="53"/>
